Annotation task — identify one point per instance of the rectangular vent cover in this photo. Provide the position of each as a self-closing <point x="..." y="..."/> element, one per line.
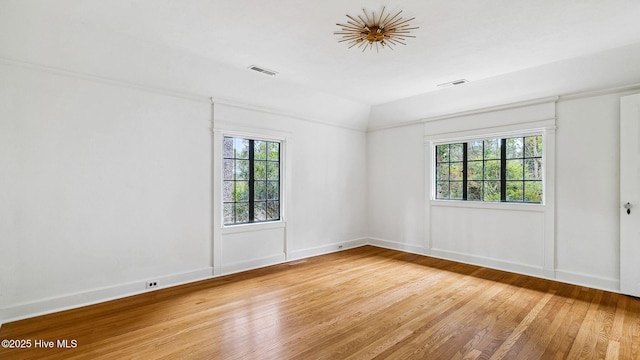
<point x="454" y="83"/>
<point x="262" y="70"/>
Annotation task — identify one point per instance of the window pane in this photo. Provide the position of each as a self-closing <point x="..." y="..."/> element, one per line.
<point x="474" y="170"/>
<point x="474" y="150"/>
<point x="227" y="191"/>
<point x="260" y="190"/>
<point x="492" y="170"/>
<point x="273" y="170"/>
<point x="260" y="170"/>
<point x="228" y="169"/>
<point x="241" y="191"/>
<point x="456" y="190"/>
<point x="442" y="171"/>
<point x="442" y="153"/>
<point x="273" y="210"/>
<point x="514" y="170"/>
<point x="491" y="191"/>
<point x="227" y="148"/>
<point x="533" y="191"/>
<point x="246" y="176"/>
<point x="241" y="148"/>
<point x="474" y="190"/>
<point x="242" y="169"/>
<point x="442" y="190"/>
<point x="274" y="151"/>
<point x="533" y="169"/>
<point x="242" y="212"/>
<point x="456" y="152"/>
<point x="485" y="175"/>
<point x="273" y="190"/>
<point x="228" y="213"/>
<point x="514" y="148"/>
<point x="260" y="150"/>
<point x="455" y="171"/>
<point x="533" y="146"/>
<point x="260" y="211"/>
<point x="492" y="149"/>
<point x="514" y="191"/>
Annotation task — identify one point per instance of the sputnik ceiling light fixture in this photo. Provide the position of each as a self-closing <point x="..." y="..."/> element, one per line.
<point x="375" y="31"/>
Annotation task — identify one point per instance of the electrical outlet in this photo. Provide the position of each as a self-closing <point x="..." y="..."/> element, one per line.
<point x="152" y="284"/>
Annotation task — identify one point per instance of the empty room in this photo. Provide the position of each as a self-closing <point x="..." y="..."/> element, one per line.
<point x="209" y="179"/>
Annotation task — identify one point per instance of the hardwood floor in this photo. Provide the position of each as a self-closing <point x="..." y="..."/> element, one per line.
<point x="362" y="303"/>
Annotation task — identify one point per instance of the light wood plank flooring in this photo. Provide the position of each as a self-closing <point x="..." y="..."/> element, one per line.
<point x="363" y="303"/>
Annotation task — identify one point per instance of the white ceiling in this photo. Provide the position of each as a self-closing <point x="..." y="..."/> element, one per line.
<point x="471" y="39"/>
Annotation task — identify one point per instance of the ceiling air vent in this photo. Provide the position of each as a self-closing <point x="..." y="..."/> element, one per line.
<point x="262" y="70"/>
<point x="454" y="83"/>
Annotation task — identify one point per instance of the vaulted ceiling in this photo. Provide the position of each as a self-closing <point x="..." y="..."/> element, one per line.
<point x="468" y="39"/>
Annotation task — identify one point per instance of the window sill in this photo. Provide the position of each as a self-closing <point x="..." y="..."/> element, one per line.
<point x="240" y="228"/>
<point x="488" y="205"/>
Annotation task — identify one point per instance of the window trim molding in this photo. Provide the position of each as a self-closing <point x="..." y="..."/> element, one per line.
<point x="494" y="205"/>
<point x="249" y="227"/>
<point x="245" y="122"/>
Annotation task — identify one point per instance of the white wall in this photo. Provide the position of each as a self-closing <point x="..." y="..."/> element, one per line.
<point x="585" y="246"/>
<point x="514" y="237"/>
<point x="396" y="196"/>
<point x="324" y="191"/>
<point x="106" y="186"/>
<point x="106" y="157"/>
<point x="588" y="189"/>
<point x="102" y="186"/>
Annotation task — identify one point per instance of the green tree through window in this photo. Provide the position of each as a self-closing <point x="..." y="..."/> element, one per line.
<point x="251" y="181"/>
<point x="508" y="170"/>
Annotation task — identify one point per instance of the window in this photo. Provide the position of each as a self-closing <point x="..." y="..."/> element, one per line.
<point x="507" y="169"/>
<point x="251" y="181"/>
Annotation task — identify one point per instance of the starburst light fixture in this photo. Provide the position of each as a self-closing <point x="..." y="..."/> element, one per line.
<point x="376" y="31"/>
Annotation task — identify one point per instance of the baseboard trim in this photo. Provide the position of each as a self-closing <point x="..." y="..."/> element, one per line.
<point x="72" y="301"/>
<point x="569" y="277"/>
<point x="414" y="249"/>
<point x="217" y="270"/>
<point x="493" y="263"/>
<point x="326" y="249"/>
<point x="596" y="282"/>
<point x="252" y="264"/>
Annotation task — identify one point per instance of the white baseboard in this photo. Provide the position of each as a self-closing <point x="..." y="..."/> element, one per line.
<point x="217" y="270"/>
<point x="591" y="281"/>
<point x="71" y="301"/>
<point x="252" y="264"/>
<point x="569" y="277"/>
<point x="596" y="282"/>
<point x="414" y="249"/>
<point x="326" y="249"/>
<point x="493" y="263"/>
<point x="55" y="304"/>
